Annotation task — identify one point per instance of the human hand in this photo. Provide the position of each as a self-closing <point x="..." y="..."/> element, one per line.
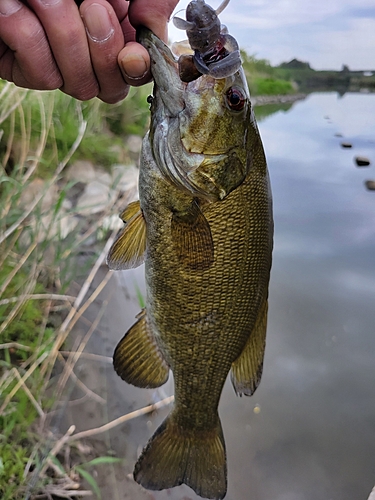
<point x="86" y="52"/>
<point x="154" y="14"/>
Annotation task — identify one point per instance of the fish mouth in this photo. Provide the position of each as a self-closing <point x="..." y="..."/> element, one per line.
<point x="177" y="164"/>
<point x="173" y="160"/>
<point x="164" y="70"/>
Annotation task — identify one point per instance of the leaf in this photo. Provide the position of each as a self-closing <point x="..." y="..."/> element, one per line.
<point x="102" y="460"/>
<point x="57" y="462"/>
<point x="6" y="178"/>
<point x="141" y="299"/>
<point x="91" y="481"/>
<point x="59" y="202"/>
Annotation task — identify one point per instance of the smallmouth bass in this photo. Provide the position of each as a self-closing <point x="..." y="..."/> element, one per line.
<point x="204" y="228"/>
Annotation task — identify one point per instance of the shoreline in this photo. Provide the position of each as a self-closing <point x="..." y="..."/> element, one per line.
<point x="261" y="100"/>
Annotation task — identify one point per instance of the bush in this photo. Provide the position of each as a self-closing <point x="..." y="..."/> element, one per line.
<point x="271" y="86"/>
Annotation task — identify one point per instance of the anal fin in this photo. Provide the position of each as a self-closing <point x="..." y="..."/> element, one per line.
<point x="192" y="238"/>
<point x="129" y="248"/>
<point x="246" y="371"/>
<point x="137" y="358"/>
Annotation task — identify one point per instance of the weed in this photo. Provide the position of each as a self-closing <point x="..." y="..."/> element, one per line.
<point x="272" y="86"/>
<point x="82" y="470"/>
<point x="39" y="134"/>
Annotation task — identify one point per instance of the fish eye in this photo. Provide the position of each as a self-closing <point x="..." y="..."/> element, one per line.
<point x="235" y="98"/>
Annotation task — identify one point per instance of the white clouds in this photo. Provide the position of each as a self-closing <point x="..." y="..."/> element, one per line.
<point x="280" y="14"/>
<point x="284" y="13"/>
<point x="354" y="45"/>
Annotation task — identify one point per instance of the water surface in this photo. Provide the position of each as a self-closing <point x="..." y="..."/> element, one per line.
<point x="314" y="438"/>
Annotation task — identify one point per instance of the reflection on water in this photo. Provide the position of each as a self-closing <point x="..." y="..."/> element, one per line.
<point x="269" y="109"/>
<point x="314" y="436"/>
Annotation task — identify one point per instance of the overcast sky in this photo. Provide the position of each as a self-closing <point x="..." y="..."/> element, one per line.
<point x="325" y="33"/>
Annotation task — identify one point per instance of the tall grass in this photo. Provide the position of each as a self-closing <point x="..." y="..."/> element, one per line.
<point x="32" y="297"/>
<point x="40" y="135"/>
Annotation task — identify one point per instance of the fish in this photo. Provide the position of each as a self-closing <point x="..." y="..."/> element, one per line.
<point x="203" y="227"/>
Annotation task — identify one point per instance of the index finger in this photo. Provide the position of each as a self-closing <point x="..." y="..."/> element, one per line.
<point x="67" y="38"/>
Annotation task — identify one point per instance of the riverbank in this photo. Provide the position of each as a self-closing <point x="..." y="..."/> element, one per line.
<point x="262" y="100"/>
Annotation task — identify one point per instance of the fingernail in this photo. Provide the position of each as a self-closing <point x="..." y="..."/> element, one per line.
<point x="98" y="23"/>
<point x="134" y="66"/>
<point x="9" y="7"/>
<point x="47" y="3"/>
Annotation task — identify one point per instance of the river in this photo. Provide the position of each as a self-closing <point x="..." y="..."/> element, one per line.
<point x="308" y="433"/>
<point x="314" y="437"/>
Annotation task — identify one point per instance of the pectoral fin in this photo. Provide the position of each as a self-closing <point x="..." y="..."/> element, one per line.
<point x="246" y="371"/>
<point x="130" y="211"/>
<point x="129" y="248"/>
<point x="192" y="238"/>
<point x="137" y="358"/>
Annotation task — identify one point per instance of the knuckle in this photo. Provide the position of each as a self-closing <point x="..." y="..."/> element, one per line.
<point x="83" y="93"/>
<point x="114" y="97"/>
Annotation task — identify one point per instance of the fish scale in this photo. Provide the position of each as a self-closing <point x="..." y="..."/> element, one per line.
<point x="203" y="226"/>
<point x="223" y="287"/>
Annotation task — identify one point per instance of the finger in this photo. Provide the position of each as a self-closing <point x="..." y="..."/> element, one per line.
<point x="120" y="8"/>
<point x="135" y="64"/>
<point x="134" y="59"/>
<point x="25" y="55"/>
<point x="68" y="41"/>
<point x="105" y="39"/>
<point x="153" y="15"/>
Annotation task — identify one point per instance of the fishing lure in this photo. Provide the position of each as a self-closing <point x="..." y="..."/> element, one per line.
<point x="216" y="53"/>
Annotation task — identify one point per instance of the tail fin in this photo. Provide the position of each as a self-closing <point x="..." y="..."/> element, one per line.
<point x="174" y="456"/>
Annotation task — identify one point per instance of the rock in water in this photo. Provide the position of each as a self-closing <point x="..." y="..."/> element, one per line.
<point x="362" y="161"/>
<point x="370" y="185"/>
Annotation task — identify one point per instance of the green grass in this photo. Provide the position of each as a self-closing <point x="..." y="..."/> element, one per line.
<point x="40" y="134"/>
<point x="25" y="324"/>
<point x="265" y="79"/>
<point x="272" y="86"/>
<point x="37" y="124"/>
